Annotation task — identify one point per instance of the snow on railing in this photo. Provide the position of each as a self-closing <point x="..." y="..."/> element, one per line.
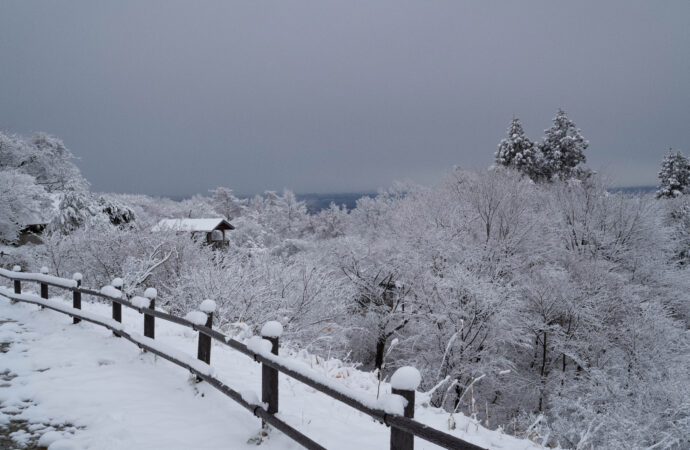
<point x="395" y="410"/>
<point x="38" y="277"/>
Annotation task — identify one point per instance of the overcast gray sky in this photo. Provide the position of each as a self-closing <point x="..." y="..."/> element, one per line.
<point x="171" y="98"/>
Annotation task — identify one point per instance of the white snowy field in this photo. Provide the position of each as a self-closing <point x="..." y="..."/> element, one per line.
<point x="70" y="386"/>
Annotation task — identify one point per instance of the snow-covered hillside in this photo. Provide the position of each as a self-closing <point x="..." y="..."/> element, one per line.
<point x="77" y="386"/>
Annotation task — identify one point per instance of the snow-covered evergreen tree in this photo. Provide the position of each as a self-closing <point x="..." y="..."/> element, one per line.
<point x="562" y="148"/>
<point x="674" y="176"/>
<point x="518" y="151"/>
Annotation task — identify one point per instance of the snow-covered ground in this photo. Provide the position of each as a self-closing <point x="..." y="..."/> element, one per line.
<point x="78" y="387"/>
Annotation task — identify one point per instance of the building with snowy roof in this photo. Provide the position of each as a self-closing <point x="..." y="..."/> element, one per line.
<point x="215" y="229"/>
<point x="35" y="224"/>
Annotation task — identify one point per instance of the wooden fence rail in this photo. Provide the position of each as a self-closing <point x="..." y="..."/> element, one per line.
<point x="403" y="427"/>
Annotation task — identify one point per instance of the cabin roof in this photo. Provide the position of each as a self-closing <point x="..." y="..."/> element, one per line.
<point x="193" y="225"/>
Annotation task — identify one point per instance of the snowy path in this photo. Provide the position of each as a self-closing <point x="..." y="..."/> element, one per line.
<point x="78" y="387"/>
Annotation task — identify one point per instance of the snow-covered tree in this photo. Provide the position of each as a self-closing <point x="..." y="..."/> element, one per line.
<point x="380" y="302"/>
<point x="329" y="223"/>
<point x="518" y="151"/>
<point x="45" y="158"/>
<point x="674" y="176"/>
<point x="41" y="171"/>
<point x="11" y="148"/>
<point x="117" y="212"/>
<point x="51" y="164"/>
<point x="226" y="203"/>
<point x="562" y="148"/>
<point x="678" y="218"/>
<point x="75" y="209"/>
<point x="22" y="202"/>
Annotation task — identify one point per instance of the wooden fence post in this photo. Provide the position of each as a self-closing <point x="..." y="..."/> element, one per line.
<point x="76" y="296"/>
<point x="271" y="331"/>
<point x="149" y="321"/>
<point x="17" y="283"/>
<point x="404" y="382"/>
<point x="44" y="287"/>
<point x="117" y="307"/>
<point x="204" y="348"/>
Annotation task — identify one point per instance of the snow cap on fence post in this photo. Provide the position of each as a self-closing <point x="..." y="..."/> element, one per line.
<point x="117" y="283"/>
<point x="44" y="270"/>
<point x="272" y="329"/>
<point x="151" y="293"/>
<point x="404" y="383"/>
<point x="77" y="277"/>
<point x="208" y="306"/>
<point x="406" y="378"/>
<point x="17" y="269"/>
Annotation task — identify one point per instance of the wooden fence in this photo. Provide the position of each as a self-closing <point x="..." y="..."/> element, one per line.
<point x="403" y="427"/>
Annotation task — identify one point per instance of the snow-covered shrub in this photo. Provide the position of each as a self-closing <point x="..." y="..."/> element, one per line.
<point x="22" y="202"/>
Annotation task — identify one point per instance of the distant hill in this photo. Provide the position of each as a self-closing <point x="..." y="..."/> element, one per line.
<point x="314" y="202"/>
<point x="319" y="202"/>
<point x="634" y="189"/>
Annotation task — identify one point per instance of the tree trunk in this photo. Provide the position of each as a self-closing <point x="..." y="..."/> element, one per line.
<point x="543" y="373"/>
<point x="380" y="347"/>
<point x="543" y="355"/>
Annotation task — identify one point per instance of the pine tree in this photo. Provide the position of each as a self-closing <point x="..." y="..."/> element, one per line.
<point x="562" y="148"/>
<point x="674" y="176"/>
<point x="518" y="151"/>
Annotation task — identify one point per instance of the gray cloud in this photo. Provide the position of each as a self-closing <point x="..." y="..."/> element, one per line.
<point x="168" y="97"/>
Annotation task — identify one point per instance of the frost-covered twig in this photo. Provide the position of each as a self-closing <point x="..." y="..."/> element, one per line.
<point x="474" y="380"/>
<point x="445" y="354"/>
